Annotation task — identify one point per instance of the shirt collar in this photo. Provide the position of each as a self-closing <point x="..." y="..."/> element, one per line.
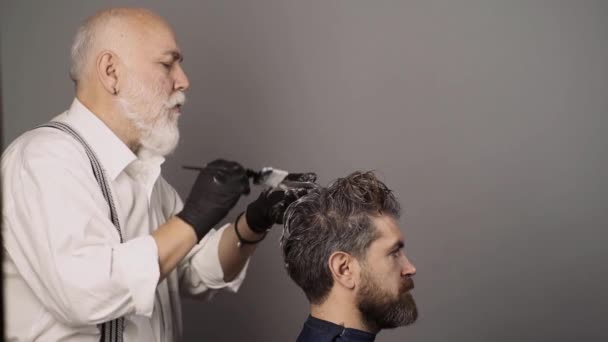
<point x="113" y="154"/>
<point x="329" y="329"/>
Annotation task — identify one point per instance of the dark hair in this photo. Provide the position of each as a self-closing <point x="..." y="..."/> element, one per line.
<point x="326" y="220"/>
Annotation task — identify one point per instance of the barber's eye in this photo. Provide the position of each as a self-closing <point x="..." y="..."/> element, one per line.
<point x="167" y="65"/>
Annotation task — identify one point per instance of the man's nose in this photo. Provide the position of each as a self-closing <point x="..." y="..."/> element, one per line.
<point x="181" y="80"/>
<point x="408" y="268"/>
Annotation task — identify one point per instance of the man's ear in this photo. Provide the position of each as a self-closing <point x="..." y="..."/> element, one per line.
<point x="344" y="269"/>
<point x="106" y="69"/>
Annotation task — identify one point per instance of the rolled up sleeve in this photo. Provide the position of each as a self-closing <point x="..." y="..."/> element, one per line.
<point x="137" y="263"/>
<point x="201" y="271"/>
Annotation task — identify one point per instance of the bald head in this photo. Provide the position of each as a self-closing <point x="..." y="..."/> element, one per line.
<point x="119" y="30"/>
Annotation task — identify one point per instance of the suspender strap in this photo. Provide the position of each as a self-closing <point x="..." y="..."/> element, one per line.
<point x="110" y="331"/>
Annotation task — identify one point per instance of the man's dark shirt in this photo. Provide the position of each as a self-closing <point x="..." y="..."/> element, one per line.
<point x="317" y="330"/>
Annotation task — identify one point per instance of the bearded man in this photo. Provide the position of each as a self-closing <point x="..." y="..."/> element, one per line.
<point x="98" y="246"/>
<point x="342" y="245"/>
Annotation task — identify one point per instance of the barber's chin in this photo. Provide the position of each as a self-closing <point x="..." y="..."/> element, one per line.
<point x="161" y="144"/>
<point x="158" y="150"/>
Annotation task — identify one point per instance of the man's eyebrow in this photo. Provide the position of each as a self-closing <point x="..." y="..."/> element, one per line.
<point x="175" y="55"/>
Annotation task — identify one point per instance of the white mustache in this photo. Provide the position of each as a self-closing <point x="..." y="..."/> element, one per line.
<point x="178" y="98"/>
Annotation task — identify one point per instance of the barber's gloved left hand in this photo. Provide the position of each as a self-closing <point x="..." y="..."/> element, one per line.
<point x="268" y="209"/>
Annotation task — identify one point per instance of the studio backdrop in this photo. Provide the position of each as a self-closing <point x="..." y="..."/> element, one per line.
<point x="487" y="118"/>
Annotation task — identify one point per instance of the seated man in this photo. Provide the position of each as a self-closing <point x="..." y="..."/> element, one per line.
<point x="342" y="245"/>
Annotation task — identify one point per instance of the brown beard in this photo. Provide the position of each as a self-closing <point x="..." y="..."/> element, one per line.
<point x="381" y="310"/>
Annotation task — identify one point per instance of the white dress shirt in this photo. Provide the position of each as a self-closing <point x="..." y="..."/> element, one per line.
<point x="65" y="269"/>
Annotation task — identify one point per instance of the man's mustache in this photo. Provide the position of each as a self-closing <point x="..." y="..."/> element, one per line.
<point x="177" y="99"/>
<point x="407" y="285"/>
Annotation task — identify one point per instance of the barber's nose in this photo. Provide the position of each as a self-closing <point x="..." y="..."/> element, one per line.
<point x="181" y="80"/>
<point x="408" y="268"/>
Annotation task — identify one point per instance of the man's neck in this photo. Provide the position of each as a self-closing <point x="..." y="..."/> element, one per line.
<point x="116" y="121"/>
<point x="340" y="312"/>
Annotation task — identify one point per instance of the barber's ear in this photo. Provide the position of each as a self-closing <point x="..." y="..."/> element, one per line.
<point x="107" y="71"/>
<point x="344" y="269"/>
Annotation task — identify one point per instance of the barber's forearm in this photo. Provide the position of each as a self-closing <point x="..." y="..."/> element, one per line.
<point x="233" y="258"/>
<point x="174" y="239"/>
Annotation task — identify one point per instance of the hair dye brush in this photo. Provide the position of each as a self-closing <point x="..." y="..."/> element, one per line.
<point x="276" y="178"/>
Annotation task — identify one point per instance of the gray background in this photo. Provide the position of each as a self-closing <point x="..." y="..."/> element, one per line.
<point x="487" y="118"/>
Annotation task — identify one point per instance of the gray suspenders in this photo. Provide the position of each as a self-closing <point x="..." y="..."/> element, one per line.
<point x="110" y="331"/>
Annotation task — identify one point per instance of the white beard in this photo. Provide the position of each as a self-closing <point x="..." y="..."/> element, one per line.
<point x="156" y="121"/>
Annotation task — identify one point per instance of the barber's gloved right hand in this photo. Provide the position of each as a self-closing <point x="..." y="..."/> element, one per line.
<point x="216" y="190"/>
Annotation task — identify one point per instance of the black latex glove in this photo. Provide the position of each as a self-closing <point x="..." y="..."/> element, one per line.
<point x="217" y="189"/>
<point x="270" y="206"/>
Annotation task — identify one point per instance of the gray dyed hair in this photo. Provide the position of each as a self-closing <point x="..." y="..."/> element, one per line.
<point x="331" y="219"/>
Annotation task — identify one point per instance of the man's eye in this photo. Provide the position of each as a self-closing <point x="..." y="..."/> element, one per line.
<point x="166" y="65"/>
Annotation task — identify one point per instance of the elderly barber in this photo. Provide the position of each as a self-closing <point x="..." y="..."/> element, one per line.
<point x="97" y="244"/>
